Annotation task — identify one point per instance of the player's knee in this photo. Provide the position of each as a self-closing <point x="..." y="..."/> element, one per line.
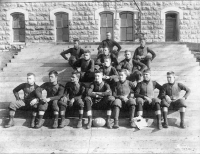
<point x="182" y="103"/>
<point x="80" y="103"/>
<point x="156" y="100"/>
<point x="139" y="101"/>
<point x="13" y="106"/>
<point x="131" y="102"/>
<point x="111" y="99"/>
<point x="117" y="102"/>
<point x="42" y="107"/>
<point x="164" y="103"/>
<point x="55" y="105"/>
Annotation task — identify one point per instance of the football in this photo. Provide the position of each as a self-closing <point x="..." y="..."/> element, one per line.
<point x="99" y="122"/>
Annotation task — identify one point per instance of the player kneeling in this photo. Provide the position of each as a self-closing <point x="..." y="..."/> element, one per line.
<point x="99" y="97"/>
<point x="170" y="97"/>
<point x="74" y="95"/>
<point x="123" y="98"/>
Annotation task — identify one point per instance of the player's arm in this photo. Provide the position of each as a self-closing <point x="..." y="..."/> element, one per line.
<point x="38" y="91"/>
<point x="156" y="85"/>
<point x="186" y="89"/>
<point x="152" y="53"/>
<point x="114" y="73"/>
<point x="90" y="91"/>
<point x="91" y="66"/>
<point x="107" y="91"/>
<point x="118" y="46"/>
<point x="137" y="91"/>
<point x="17" y="89"/>
<point x="63" y="54"/>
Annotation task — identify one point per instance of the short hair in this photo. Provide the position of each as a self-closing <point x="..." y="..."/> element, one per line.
<point x="53" y="72"/>
<point x="147" y="71"/>
<point x="123" y="71"/>
<point x="170" y="73"/>
<point x="76" y="40"/>
<point x="142" y="38"/>
<point x="127" y="51"/>
<point x="98" y="71"/>
<point x="29" y="74"/>
<point x="78" y="74"/>
<point x="87" y="51"/>
<point x="107" y="57"/>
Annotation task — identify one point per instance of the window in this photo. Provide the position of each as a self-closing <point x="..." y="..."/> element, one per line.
<point x="106" y="24"/>
<point x="62" y="27"/>
<point x="127" y="26"/>
<point x="18" y="27"/>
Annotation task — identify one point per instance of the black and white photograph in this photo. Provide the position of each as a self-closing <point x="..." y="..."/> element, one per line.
<point x="99" y="76"/>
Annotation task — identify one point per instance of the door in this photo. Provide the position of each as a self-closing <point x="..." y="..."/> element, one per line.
<point x="106" y="24"/>
<point x="171" y="27"/>
<point x="62" y="27"/>
<point x="18" y="27"/>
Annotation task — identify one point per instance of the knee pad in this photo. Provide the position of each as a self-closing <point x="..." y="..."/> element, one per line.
<point x="131" y="102"/>
<point x="42" y="107"/>
<point x="117" y="103"/>
<point x="139" y="101"/>
<point x="79" y="102"/>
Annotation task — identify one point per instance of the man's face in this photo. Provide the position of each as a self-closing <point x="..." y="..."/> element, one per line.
<point x="106" y="51"/>
<point x="52" y="78"/>
<point x="107" y="62"/>
<point x="108" y="35"/>
<point x="74" y="78"/>
<point x="122" y="76"/>
<point x="127" y="55"/>
<point x="98" y="77"/>
<point x="146" y="76"/>
<point x="142" y="43"/>
<point x="170" y="78"/>
<point x="31" y="79"/>
<point x="86" y="56"/>
<point x="76" y="44"/>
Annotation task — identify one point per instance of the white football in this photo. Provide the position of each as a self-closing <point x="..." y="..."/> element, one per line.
<point x="99" y="122"/>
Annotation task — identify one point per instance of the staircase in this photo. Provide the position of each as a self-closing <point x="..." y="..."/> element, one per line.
<point x="41" y="58"/>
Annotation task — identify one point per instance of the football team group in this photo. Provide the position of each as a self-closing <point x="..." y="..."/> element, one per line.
<point x="113" y="86"/>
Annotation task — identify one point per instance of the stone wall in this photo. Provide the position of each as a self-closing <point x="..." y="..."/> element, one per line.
<point x="85" y="25"/>
<point x="153" y="25"/>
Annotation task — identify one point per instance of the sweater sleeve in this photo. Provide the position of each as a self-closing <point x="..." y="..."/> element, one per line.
<point x="17" y="89"/>
<point x="186" y="89"/>
<point x="118" y="46"/>
<point x="39" y="90"/>
<point x="135" y="54"/>
<point x="152" y="52"/>
<point x="60" y="93"/>
<point x="119" y="66"/>
<point x="156" y="85"/>
<point x="91" y="66"/>
<point x="98" y="60"/>
<point x="163" y="91"/>
<point x="90" y="90"/>
<point x="107" y="91"/>
<point x="66" y="89"/>
<point x="137" y="91"/>
<point x="114" y="73"/>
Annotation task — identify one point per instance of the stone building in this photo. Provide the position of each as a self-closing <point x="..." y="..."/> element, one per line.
<point x="29" y="21"/>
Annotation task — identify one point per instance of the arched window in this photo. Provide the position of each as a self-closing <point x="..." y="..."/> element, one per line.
<point x="127" y="26"/>
<point x="62" y="27"/>
<point x="106" y="24"/>
<point x="18" y="27"/>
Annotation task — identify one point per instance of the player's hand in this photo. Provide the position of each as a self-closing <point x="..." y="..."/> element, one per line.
<point x="33" y="102"/>
<point x="138" y="57"/>
<point x="64" y="99"/>
<point x="94" y="93"/>
<point x="71" y="102"/>
<point x="148" y="99"/>
<point x="107" y="77"/>
<point x="18" y="99"/>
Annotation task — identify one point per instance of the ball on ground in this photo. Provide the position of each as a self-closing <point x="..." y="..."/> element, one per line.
<point x="99" y="122"/>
